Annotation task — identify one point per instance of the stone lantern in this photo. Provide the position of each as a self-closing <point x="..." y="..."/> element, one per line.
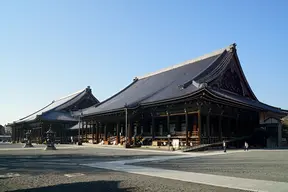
<point x="50" y="138"/>
<point x="28" y="142"/>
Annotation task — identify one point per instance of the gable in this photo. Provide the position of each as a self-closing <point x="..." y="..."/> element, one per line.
<point x="86" y="101"/>
<point x="232" y="79"/>
<point x="271" y="120"/>
<point x="81" y="101"/>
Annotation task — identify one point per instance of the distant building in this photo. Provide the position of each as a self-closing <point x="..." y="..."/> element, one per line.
<point x="59" y="115"/>
<point x="8" y="130"/>
<point x="2" y="130"/>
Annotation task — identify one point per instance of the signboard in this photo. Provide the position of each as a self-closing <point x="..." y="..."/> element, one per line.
<point x="175" y="143"/>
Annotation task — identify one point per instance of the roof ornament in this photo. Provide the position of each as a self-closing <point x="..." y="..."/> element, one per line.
<point x="88" y="89"/>
<point x="135" y="79"/>
<point x="232" y="47"/>
<point x="203" y="85"/>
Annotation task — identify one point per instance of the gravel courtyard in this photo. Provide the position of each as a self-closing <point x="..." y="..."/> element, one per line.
<point x="261" y="164"/>
<point x="40" y="170"/>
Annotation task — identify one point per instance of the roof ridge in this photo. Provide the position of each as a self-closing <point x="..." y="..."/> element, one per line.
<point x="77" y="92"/>
<point x="36" y="111"/>
<point x="109" y="98"/>
<point x="206" y="56"/>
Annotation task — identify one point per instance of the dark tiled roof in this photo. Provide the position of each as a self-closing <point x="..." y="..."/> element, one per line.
<point x="173" y="82"/>
<point x="179" y="81"/>
<point x="245" y="101"/>
<point x="58" y="116"/>
<point x="53" y="110"/>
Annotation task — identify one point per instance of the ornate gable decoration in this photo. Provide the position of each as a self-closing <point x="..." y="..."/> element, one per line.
<point x="230" y="80"/>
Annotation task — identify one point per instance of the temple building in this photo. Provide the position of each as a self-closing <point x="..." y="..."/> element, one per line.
<point x="59" y="115"/>
<point x="201" y="101"/>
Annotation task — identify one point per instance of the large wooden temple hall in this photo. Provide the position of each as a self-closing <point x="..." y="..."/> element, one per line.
<point x="201" y="101"/>
<point x="59" y="115"/>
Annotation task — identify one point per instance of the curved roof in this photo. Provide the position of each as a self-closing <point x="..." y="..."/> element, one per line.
<point x="184" y="80"/>
<point x="245" y="101"/>
<point x="53" y="111"/>
<point x="164" y="84"/>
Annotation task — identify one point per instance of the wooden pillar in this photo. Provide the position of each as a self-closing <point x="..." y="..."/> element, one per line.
<point x="97" y="132"/>
<point x="82" y="130"/>
<point x="105" y="132"/>
<point x="132" y="126"/>
<point x="126" y="128"/>
<point x="208" y="126"/>
<point x="117" y="133"/>
<point x="142" y="128"/>
<point x="168" y="122"/>
<point x="15" y="134"/>
<point x="79" y="131"/>
<point x="92" y="131"/>
<point x="129" y="133"/>
<point x="86" y="130"/>
<point x="186" y="124"/>
<point x="220" y="127"/>
<point x="229" y="127"/>
<point x="41" y="128"/>
<point x="237" y="124"/>
<point x="153" y="127"/>
<point x="199" y="126"/>
<point x="178" y="123"/>
<point x="135" y="128"/>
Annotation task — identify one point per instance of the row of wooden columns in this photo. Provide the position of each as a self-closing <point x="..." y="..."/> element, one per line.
<point x="96" y="130"/>
<point x="98" y="126"/>
<point x="168" y="125"/>
<point x="220" y="118"/>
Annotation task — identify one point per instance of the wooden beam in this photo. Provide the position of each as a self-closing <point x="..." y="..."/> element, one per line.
<point x="177" y="114"/>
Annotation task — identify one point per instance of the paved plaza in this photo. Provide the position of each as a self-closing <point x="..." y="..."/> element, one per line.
<point x="96" y="168"/>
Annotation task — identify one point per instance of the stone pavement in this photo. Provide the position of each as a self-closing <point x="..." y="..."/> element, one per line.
<point x="215" y="180"/>
<point x="61" y="170"/>
<point x="18" y="146"/>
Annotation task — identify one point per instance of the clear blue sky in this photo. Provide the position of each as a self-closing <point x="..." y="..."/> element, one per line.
<point x="49" y="49"/>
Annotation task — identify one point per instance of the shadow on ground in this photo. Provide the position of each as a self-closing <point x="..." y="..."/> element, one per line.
<point x="41" y="164"/>
<point x="94" y="186"/>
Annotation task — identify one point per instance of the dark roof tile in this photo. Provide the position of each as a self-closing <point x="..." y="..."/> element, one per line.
<point x="161" y="85"/>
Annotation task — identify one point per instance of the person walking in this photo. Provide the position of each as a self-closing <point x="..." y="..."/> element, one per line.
<point x="224" y="146"/>
<point x="246" y="146"/>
